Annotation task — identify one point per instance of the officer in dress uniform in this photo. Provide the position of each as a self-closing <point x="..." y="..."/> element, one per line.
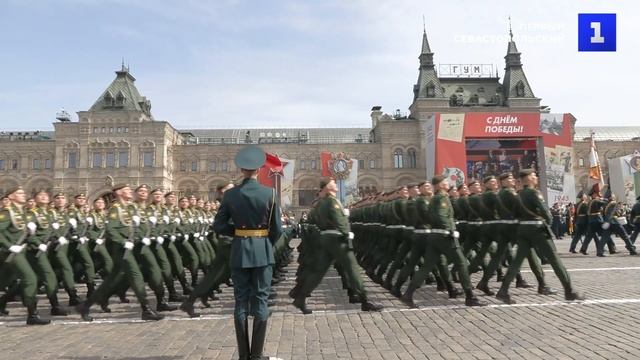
<point x="256" y="227"/>
<point x="581" y="222"/>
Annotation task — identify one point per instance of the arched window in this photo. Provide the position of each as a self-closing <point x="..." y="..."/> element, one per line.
<point x="520" y="89"/>
<point x="431" y="90"/>
<point x="413" y="161"/>
<point x="398" y="159"/>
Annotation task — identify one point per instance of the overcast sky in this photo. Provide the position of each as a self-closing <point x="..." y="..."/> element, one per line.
<point x="226" y="64"/>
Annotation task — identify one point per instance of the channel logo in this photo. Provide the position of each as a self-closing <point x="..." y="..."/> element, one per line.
<point x="596" y="32"/>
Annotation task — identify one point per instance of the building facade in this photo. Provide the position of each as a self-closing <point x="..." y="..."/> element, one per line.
<point x="118" y="140"/>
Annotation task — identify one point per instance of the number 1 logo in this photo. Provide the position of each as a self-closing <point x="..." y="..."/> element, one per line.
<point x="596" y="32"/>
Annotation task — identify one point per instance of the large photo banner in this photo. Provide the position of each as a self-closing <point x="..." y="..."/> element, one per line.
<point x="624" y="177"/>
<point x="345" y="170"/>
<point x="474" y="145"/>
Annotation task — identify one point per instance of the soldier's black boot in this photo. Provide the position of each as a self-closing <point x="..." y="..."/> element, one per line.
<point x="242" y="338"/>
<point x="205" y="301"/>
<point x="301" y="303"/>
<point x="387" y="284"/>
<point x="545" y="290"/>
<point x="369" y="306"/>
<point x="500" y="275"/>
<point x="91" y="287"/>
<point x="440" y="285"/>
<point x="56" y="309"/>
<point x="148" y="313"/>
<point x="293" y="293"/>
<point x="407" y="297"/>
<point x="573" y="295"/>
<point x="187" y="306"/>
<point x="484" y="287"/>
<point x="74" y="299"/>
<point x="257" y="339"/>
<point x="505" y="297"/>
<point x="353" y="299"/>
<point x="33" y="318"/>
<point x="452" y="290"/>
<point x="173" y="295"/>
<point x="123" y="297"/>
<point x="186" y="289"/>
<point x="83" y="309"/>
<point x="3" y="305"/>
<point x="472" y="300"/>
<point x="164" y="306"/>
<point x="397" y="290"/>
<point x="522" y="283"/>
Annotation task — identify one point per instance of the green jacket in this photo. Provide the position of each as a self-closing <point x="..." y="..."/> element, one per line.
<point x="331" y="216"/>
<point x="120" y="225"/>
<point x="441" y="212"/>
<point x="532" y="206"/>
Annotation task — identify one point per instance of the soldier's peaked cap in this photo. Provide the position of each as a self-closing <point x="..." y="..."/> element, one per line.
<point x="525" y="172"/>
<point x="488" y="178"/>
<point x="12" y="190"/>
<point x="250" y="158"/>
<point x="117" y="187"/>
<point x="504" y="175"/>
<point x="437" y="179"/>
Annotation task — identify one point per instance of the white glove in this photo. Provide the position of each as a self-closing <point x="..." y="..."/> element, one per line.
<point x="160" y="240"/>
<point x="200" y="218"/>
<point x="32" y="227"/>
<point x="605" y="226"/>
<point x="63" y="240"/>
<point x="346" y="212"/>
<point x="73" y="222"/>
<point x="456" y="234"/>
<point x="99" y="241"/>
<point x="211" y="220"/>
<point x="195" y="235"/>
<point x="350" y="236"/>
<point x="55" y="226"/>
<point x="136" y="219"/>
<point x="206" y="233"/>
<point x="166" y="219"/>
<point x="190" y="220"/>
<point x="172" y="238"/>
<point x="201" y="238"/>
<point x="42" y="247"/>
<point x="90" y="220"/>
<point x="177" y="221"/>
<point x="74" y="237"/>
<point x="146" y="241"/>
<point x="128" y="245"/>
<point x="16" y="248"/>
<point x="153" y="219"/>
<point x="186" y="236"/>
<point x="83" y="240"/>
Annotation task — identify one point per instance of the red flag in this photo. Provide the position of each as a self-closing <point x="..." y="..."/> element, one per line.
<point x="325" y="158"/>
<point x="267" y="173"/>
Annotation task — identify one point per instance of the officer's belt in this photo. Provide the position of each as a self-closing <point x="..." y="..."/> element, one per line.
<point x="251" y="233"/>
<point x="422" y="231"/>
<point x="440" y="231"/>
<point x="395" y="226"/>
<point x="532" y="222"/>
<point x="596" y="213"/>
<point x="461" y="221"/>
<point x="474" y="222"/>
<point x="333" y="232"/>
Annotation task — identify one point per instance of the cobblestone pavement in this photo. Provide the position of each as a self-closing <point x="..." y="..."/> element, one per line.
<point x="538" y="327"/>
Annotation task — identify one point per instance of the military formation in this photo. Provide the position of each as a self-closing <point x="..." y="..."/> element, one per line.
<point x="430" y="232"/>
<point x="145" y="239"/>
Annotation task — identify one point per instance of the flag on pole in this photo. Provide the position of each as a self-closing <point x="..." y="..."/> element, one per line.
<point x="267" y="174"/>
<point x="595" y="171"/>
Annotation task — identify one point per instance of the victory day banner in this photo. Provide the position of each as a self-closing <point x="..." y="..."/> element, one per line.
<point x="345" y="170"/>
<point x="473" y="145"/>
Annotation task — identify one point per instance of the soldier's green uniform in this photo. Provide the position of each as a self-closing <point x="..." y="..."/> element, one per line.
<point x="97" y="243"/>
<point x="120" y="236"/>
<point x="59" y="255"/>
<point x="13" y="260"/>
<point x="184" y="233"/>
<point x="533" y="231"/>
<point x="407" y="211"/>
<point x="581" y="223"/>
<point x="79" y="249"/>
<point x="442" y="240"/>
<point x="175" y="259"/>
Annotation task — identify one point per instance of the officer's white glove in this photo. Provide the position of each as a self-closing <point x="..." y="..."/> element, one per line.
<point x="32" y="227"/>
<point x="74" y="237"/>
<point x="55" y="226"/>
<point x="16" y="248"/>
<point x="146" y="241"/>
<point x="195" y="235"/>
<point x="160" y="240"/>
<point x="128" y="245"/>
<point x="166" y="219"/>
<point x="177" y="221"/>
<point x="153" y="219"/>
<point x="211" y="220"/>
<point x="206" y="233"/>
<point x="201" y="238"/>
<point x="605" y="226"/>
<point x="200" y="218"/>
<point x="351" y="236"/>
<point x="186" y="236"/>
<point x="190" y="220"/>
<point x="83" y="240"/>
<point x="90" y="220"/>
<point x="63" y="240"/>
<point x="136" y="219"/>
<point x="456" y="234"/>
<point x="172" y="238"/>
<point x="99" y="241"/>
<point x="346" y="212"/>
<point x="42" y="247"/>
<point x="73" y="222"/>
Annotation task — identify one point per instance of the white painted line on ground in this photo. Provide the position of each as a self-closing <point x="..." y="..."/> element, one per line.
<point x="344" y="312"/>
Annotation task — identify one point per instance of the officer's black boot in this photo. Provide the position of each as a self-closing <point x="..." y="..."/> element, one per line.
<point x="500" y="275"/>
<point x="503" y="295"/>
<point x="74" y="299"/>
<point x="91" y="287"/>
<point x="368" y="305"/>
<point x="204" y="300"/>
<point x="186" y="289"/>
<point x="123" y="297"/>
<point x="573" y="295"/>
<point x="32" y="316"/>
<point x="293" y="293"/>
<point x="148" y="313"/>
<point x="452" y="290"/>
<point x="543" y="289"/>
<point x="56" y="309"/>
<point x="397" y="290"/>
<point x="472" y="300"/>
<point x="522" y="283"/>
<point x="484" y="287"/>
<point x="242" y="338"/>
<point x="163" y="305"/>
<point x="83" y="308"/>
<point x="353" y="299"/>
<point x="257" y="339"/>
<point x="440" y="285"/>
<point x="301" y="303"/>
<point x="187" y="306"/>
<point x="173" y="295"/>
<point x="3" y="305"/>
<point x="407" y="297"/>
